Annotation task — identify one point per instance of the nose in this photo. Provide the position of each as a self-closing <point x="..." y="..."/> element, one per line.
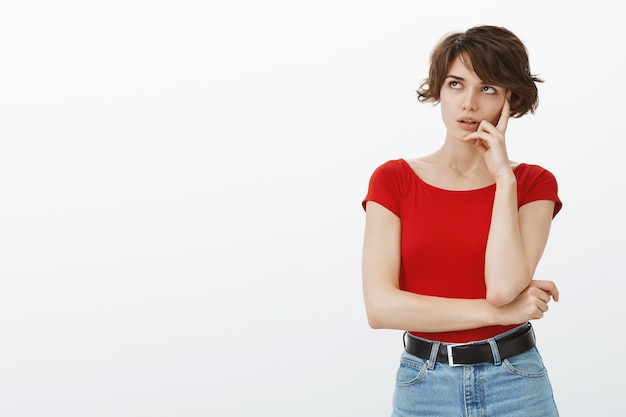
<point x="469" y="100"/>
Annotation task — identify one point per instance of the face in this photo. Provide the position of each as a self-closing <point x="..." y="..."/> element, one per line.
<point x="466" y="100"/>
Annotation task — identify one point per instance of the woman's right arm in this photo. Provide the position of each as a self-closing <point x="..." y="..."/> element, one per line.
<point x="389" y="307"/>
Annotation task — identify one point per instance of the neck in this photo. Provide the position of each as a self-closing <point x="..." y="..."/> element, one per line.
<point x="460" y="157"/>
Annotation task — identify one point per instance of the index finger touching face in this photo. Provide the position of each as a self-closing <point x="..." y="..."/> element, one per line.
<point x="505" y="115"/>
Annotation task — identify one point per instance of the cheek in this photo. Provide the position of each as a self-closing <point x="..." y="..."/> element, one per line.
<point x="494" y="115"/>
<point x="446" y="111"/>
<point x="494" y="119"/>
<point x="446" y="101"/>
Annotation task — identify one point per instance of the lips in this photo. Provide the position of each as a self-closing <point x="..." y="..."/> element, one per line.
<point x="468" y="123"/>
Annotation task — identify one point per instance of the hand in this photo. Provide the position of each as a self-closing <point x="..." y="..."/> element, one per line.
<point x="531" y="304"/>
<point x="489" y="141"/>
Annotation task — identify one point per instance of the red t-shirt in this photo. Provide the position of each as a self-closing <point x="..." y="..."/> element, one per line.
<point x="444" y="233"/>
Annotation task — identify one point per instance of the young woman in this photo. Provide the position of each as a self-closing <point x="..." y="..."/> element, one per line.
<point x="452" y="240"/>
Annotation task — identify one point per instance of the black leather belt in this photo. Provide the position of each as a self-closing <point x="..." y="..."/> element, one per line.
<point x="471" y="353"/>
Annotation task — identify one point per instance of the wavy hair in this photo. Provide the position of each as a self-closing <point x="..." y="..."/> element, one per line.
<point x="496" y="55"/>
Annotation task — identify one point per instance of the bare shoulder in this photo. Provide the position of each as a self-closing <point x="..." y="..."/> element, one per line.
<point x="426" y="168"/>
<point x="423" y="165"/>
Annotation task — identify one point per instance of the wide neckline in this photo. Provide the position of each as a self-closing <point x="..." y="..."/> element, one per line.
<point x="487" y="187"/>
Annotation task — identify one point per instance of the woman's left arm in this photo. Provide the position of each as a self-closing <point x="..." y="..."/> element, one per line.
<point x="517" y="236"/>
<point x="517" y="239"/>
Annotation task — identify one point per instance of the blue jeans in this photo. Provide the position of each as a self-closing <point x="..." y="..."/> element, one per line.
<point x="513" y="387"/>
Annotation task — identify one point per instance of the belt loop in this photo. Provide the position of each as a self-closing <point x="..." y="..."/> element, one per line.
<point x="434" y="351"/>
<point x="495" y="352"/>
<point x="404" y="340"/>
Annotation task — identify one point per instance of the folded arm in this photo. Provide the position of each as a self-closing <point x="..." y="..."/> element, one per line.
<point x="389" y="307"/>
<point x="517" y="239"/>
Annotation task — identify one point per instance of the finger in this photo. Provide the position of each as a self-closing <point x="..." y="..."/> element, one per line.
<point x="547" y="286"/>
<point x="481" y="135"/>
<point x="555" y="293"/>
<point x="544" y="297"/>
<point x="486" y="131"/>
<point x="543" y="284"/>
<point x="503" y="122"/>
<point x="538" y="314"/>
<point x="481" y="141"/>
<point x="539" y="295"/>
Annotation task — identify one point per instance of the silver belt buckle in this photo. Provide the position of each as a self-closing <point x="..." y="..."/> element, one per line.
<point x="451" y="356"/>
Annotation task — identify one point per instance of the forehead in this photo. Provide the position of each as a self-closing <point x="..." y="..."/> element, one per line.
<point x="462" y="67"/>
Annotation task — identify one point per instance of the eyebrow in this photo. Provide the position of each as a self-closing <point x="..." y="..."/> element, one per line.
<point x="456" y="77"/>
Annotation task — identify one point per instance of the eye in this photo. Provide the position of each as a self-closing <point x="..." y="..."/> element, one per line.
<point x="454" y="84"/>
<point x="489" y="90"/>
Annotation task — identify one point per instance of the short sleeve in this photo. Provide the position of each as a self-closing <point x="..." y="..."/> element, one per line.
<point x="538" y="183"/>
<point x="386" y="187"/>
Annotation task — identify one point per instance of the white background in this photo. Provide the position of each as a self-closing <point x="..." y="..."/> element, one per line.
<point x="180" y="188"/>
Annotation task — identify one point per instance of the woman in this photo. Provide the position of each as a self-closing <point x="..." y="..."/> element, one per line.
<point x="452" y="240"/>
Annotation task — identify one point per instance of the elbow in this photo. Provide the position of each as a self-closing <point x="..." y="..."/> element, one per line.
<point x="500" y="297"/>
<point x="374" y="319"/>
<point x="374" y="322"/>
<point x="503" y="292"/>
<point x="375" y="314"/>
